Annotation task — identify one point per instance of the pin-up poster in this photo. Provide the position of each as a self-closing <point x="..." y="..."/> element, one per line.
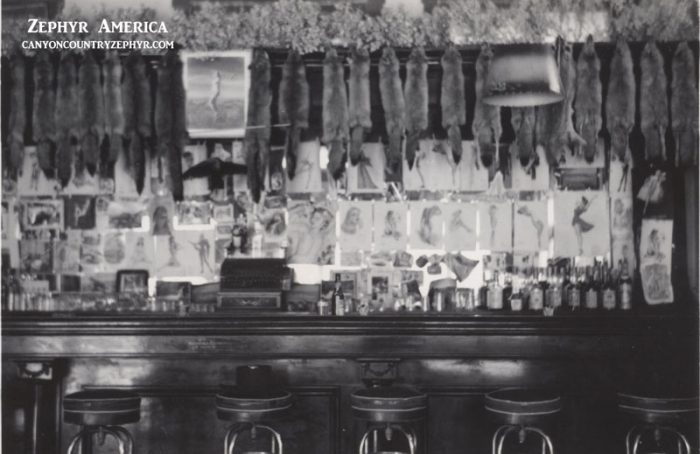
<point x="185" y="253"/>
<point x="534" y="176"/>
<point x="581" y="224"/>
<point x="390" y="226"/>
<point x="307" y="174"/>
<point x="91" y="259"/>
<point x="66" y="253"/>
<point x="140" y="250"/>
<point x="460" y="226"/>
<point x="32" y="181"/>
<point x="495" y="226"/>
<point x="367" y="176"/>
<point x="426" y="225"/>
<point x="472" y="178"/>
<point x="113" y="251"/>
<point x="532" y="230"/>
<point x="433" y="169"/>
<point x="162" y="211"/>
<point x="622" y="231"/>
<point x="311" y="233"/>
<point x="655" y="248"/>
<point x="355" y="225"/>
<point x="193" y="155"/>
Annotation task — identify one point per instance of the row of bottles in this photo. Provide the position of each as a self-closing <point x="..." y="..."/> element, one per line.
<point x="556" y="287"/>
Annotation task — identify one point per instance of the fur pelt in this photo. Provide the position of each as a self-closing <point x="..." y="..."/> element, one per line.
<point x="486" y="125"/>
<point x="684" y="107"/>
<point x="66" y="116"/>
<point x="589" y="99"/>
<point x="653" y="104"/>
<point x="293" y="106"/>
<point x="359" y="109"/>
<point x="114" y="107"/>
<point x="43" y="112"/>
<point x="393" y="104"/>
<point x="257" y="134"/>
<point x="179" y="125"/>
<point x="452" y="100"/>
<point x="523" y="121"/>
<point x="416" y="99"/>
<point x="136" y="99"/>
<point x="335" y="112"/>
<point x="18" y="112"/>
<point x="91" y="107"/>
<point x="620" y="102"/>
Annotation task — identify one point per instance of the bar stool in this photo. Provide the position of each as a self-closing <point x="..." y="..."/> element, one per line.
<point x="102" y="412"/>
<point x="251" y="405"/>
<point x="658" y="417"/>
<point x="521" y="411"/>
<point x="387" y="410"/>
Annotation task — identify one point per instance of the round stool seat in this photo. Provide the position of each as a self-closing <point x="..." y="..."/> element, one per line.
<point x="233" y="404"/>
<point x="103" y="407"/>
<point x="658" y="410"/>
<point x="522" y="406"/>
<point x="389" y="404"/>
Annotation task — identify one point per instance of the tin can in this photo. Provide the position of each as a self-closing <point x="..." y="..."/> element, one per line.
<point x="438" y="301"/>
<point x="465" y="299"/>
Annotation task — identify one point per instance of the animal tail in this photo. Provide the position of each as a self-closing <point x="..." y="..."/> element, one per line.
<point x="292" y="145"/>
<point x="337" y="159"/>
<point x="64" y="160"/>
<point x="43" y="153"/>
<point x="137" y="161"/>
<point x="357" y="136"/>
<point x="16" y="152"/>
<point x="455" y="137"/>
<point x="412" y="146"/>
<point x="90" y="151"/>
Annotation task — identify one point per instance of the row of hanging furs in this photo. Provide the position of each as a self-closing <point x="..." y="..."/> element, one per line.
<point x="84" y="124"/>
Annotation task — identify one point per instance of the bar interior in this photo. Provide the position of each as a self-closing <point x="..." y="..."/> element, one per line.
<point x="425" y="226"/>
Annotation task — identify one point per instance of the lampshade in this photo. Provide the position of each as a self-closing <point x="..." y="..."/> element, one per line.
<point x="523" y="75"/>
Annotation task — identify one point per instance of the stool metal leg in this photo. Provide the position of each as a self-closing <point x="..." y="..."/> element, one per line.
<point x="496" y="438"/>
<point x="545" y="437"/>
<point x="683" y="446"/>
<point x="76" y="440"/>
<point x="504" y="435"/>
<point x="126" y="438"/>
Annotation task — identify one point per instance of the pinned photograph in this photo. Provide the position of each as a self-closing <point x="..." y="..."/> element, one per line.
<point x="217" y="89"/>
<point x="132" y="281"/>
<point x="185" y="253"/>
<point x="621" y="206"/>
<point x="460" y="226"/>
<point x="113" y="251"/>
<point x="367" y="176"/>
<point x="162" y="211"/>
<point x="355" y="225"/>
<point x="140" y="250"/>
<point x="125" y="214"/>
<point x="655" y="251"/>
<point x="534" y="176"/>
<point x="532" y="230"/>
<point x="434" y="168"/>
<point x="80" y="212"/>
<point x="91" y="259"/>
<point x="311" y="233"/>
<point x="495" y="226"/>
<point x="42" y="214"/>
<point x="390" y="225"/>
<point x="98" y="283"/>
<point x="582" y="224"/>
<point x="274" y="225"/>
<point x="193" y="213"/>
<point x="242" y="208"/>
<point x="36" y="256"/>
<point x="307" y="178"/>
<point x="194" y="187"/>
<point x="426" y="225"/>
<point x="223" y="212"/>
<point x="32" y="181"/>
<point x="66" y="253"/>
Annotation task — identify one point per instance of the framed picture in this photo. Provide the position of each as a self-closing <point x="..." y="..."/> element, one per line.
<point x="380" y="283"/>
<point x="217" y="93"/>
<point x="132" y="281"/>
<point x="42" y="214"/>
<point x="174" y="291"/>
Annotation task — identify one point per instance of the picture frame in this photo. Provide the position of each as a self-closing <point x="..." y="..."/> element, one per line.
<point x="379" y="285"/>
<point x="346" y="276"/>
<point x="42" y="214"/>
<point x="216" y="85"/>
<point x="132" y="281"/>
<point x="174" y="291"/>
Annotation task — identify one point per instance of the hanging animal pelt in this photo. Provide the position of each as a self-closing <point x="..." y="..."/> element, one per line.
<point x="523" y="121"/>
<point x="179" y="125"/>
<point x="589" y="99"/>
<point x="452" y="100"/>
<point x="114" y="107"/>
<point x="359" y="109"/>
<point x="653" y="104"/>
<point x="393" y="105"/>
<point x="66" y="117"/>
<point x="416" y="98"/>
<point x="293" y="106"/>
<point x="335" y="112"/>
<point x="136" y="99"/>
<point x="18" y="112"/>
<point x="486" y="125"/>
<point x="619" y="105"/>
<point x="91" y="105"/>
<point x="684" y="107"/>
<point x="43" y="112"/>
<point x="257" y="134"/>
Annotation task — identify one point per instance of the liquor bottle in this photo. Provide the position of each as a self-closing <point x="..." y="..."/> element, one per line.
<point x="573" y="292"/>
<point x="495" y="294"/>
<point x="525" y="286"/>
<point x="557" y="290"/>
<point x="609" y="297"/>
<point x="516" y="297"/>
<point x="507" y="289"/>
<point x="537" y="292"/>
<point x="5" y="289"/>
<point x="592" y="287"/>
<point x="625" y="286"/>
<point x="484" y="290"/>
<point x="257" y="240"/>
<point x="338" y="299"/>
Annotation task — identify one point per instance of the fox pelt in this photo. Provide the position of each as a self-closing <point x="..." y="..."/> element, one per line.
<point x="43" y="113"/>
<point x="66" y="117"/>
<point x="179" y="125"/>
<point x="416" y="99"/>
<point x="452" y="100"/>
<point x="589" y="99"/>
<point x="257" y="134"/>
<point x="486" y="125"/>
<point x="91" y="107"/>
<point x="684" y="107"/>
<point x="293" y="106"/>
<point x="335" y="112"/>
<point x="523" y="121"/>
<point x="18" y="112"/>
<point x="653" y="104"/>
<point x="393" y="105"/>
<point x="359" y="108"/>
<point x="620" y="103"/>
<point x="114" y="107"/>
<point x="136" y="100"/>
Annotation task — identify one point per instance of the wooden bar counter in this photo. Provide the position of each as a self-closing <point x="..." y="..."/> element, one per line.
<point x="177" y="363"/>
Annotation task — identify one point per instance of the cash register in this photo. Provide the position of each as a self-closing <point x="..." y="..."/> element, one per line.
<point x="253" y="283"/>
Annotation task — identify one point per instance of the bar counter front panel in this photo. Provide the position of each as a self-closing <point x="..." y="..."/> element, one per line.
<point x="177" y="364"/>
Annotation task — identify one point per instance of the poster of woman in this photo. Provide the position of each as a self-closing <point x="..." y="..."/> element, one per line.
<point x="655" y="260"/>
<point x="426" y="225"/>
<point x="533" y="232"/>
<point x="496" y="226"/>
<point x="471" y="178"/>
<point x="367" y="176"/>
<point x="390" y="226"/>
<point x="460" y="226"/>
<point x="434" y="169"/>
<point x="307" y="178"/>
<point x="311" y="233"/>
<point x="185" y="253"/>
<point x="582" y="224"/>
<point x="355" y="226"/>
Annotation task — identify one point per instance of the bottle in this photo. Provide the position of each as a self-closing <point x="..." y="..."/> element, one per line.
<point x="557" y="291"/>
<point x="624" y="286"/>
<point x="516" y="297"/>
<point x="495" y="294"/>
<point x="592" y="287"/>
<point x="5" y="288"/>
<point x="338" y="299"/>
<point x="507" y="289"/>
<point x="537" y="292"/>
<point x="525" y="287"/>
<point x="609" y="299"/>
<point x="573" y="292"/>
<point x="257" y="241"/>
<point x="484" y="290"/>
